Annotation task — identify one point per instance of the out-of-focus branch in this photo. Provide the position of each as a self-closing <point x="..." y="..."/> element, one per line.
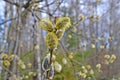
<point x="58" y="6"/>
<point x="2" y="23"/>
<point x="25" y="5"/>
<point x="13" y="3"/>
<point x="71" y="60"/>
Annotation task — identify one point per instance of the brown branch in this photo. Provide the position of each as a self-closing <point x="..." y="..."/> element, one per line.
<point x="10" y="2"/>
<point x="10" y="72"/>
<point x="71" y="60"/>
<point x="57" y="7"/>
<point x="2" y="23"/>
<point x="25" y="5"/>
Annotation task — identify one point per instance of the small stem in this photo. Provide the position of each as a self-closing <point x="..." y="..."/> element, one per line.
<point x="51" y="51"/>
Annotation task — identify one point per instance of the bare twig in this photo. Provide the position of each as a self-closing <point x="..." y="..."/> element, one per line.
<point x="13" y="3"/>
<point x="2" y="23"/>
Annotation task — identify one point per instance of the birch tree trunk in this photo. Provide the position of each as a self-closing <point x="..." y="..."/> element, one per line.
<point x="3" y="48"/>
<point x="37" y="37"/>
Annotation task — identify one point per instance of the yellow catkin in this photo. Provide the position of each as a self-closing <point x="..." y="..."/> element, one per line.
<point x="60" y="34"/>
<point x="36" y="47"/>
<point x="70" y="55"/>
<point x="91" y="72"/>
<point x="82" y="74"/>
<point x="82" y="17"/>
<point x="88" y="66"/>
<point x="46" y="24"/>
<point x="29" y="65"/>
<point x="107" y="56"/>
<point x="93" y="46"/>
<point x="63" y="23"/>
<point x="57" y="67"/>
<point x="102" y="47"/>
<point x="4" y="56"/>
<point x="112" y="58"/>
<point x="92" y="18"/>
<point x="51" y="40"/>
<point x="98" y="67"/>
<point x="11" y="57"/>
<point x="97" y="17"/>
<point x="35" y="5"/>
<point x="6" y="63"/>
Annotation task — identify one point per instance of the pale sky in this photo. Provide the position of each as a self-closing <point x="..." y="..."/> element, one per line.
<point x="2" y="5"/>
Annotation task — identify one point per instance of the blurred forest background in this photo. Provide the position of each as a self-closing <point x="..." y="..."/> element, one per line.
<point x="90" y="42"/>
